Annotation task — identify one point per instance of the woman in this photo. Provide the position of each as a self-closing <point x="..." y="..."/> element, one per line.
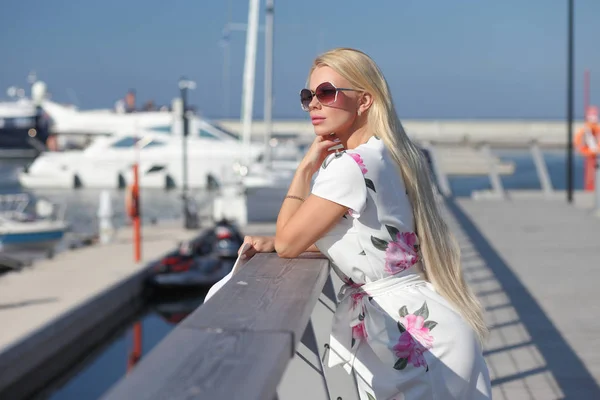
<point x="407" y="324"/>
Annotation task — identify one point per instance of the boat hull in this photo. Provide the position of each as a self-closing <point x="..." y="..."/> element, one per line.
<point x="31" y="240"/>
<point x="32" y="235"/>
<point x="50" y="181"/>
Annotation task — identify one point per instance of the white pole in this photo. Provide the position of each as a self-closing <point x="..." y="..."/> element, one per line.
<point x="226" y="74"/>
<point x="249" y="71"/>
<point x="226" y="63"/>
<point x="268" y="112"/>
<point x="597" y="184"/>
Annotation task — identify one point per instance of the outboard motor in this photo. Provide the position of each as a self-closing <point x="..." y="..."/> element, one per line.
<point x="228" y="240"/>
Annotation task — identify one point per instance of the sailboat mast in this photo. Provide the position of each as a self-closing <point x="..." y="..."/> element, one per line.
<point x="268" y="123"/>
<point x="249" y="72"/>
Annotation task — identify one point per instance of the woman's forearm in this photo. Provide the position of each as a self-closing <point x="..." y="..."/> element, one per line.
<point x="313" y="249"/>
<point x="300" y="187"/>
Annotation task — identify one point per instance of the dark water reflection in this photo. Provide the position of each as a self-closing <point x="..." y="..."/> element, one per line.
<point x="158" y="319"/>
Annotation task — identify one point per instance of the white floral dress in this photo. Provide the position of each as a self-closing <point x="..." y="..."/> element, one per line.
<point x="399" y="336"/>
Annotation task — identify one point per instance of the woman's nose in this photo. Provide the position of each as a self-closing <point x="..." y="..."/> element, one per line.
<point x="314" y="104"/>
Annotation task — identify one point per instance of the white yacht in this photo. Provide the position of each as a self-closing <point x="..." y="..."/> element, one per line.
<point x="19" y="137"/>
<point x="107" y="161"/>
<point x="70" y="121"/>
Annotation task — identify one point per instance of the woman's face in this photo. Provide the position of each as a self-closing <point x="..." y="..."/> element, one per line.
<point x="340" y="115"/>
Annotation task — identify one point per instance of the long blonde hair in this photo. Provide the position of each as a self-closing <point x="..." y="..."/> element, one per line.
<point x="440" y="250"/>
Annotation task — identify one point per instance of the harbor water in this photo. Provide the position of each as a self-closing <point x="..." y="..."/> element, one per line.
<point x="97" y="373"/>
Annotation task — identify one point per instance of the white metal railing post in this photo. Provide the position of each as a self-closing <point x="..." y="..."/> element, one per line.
<point x="542" y="169"/>
<point x="494" y="175"/>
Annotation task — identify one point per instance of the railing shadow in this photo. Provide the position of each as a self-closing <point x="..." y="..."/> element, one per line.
<point x="568" y="370"/>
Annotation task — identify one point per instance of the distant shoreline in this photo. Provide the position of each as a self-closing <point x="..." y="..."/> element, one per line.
<point x="543" y="131"/>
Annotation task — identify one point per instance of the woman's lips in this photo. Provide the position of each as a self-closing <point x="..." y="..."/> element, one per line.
<point x="317" y="120"/>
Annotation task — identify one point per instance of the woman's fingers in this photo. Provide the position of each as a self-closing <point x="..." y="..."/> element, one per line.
<point x="247" y="241"/>
<point x="255" y="244"/>
<point x="249" y="253"/>
<point x="262" y="245"/>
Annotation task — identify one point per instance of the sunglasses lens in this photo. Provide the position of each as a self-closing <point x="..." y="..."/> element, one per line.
<point x="325" y="93"/>
<point x="305" y="98"/>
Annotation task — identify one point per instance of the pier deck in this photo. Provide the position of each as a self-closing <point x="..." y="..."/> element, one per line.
<point x="534" y="264"/>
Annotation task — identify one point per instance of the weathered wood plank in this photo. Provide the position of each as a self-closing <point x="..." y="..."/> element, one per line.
<point x="268" y="294"/>
<point x="238" y="344"/>
<point x="208" y="364"/>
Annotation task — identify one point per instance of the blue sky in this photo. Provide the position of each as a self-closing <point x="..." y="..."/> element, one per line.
<point x="443" y="59"/>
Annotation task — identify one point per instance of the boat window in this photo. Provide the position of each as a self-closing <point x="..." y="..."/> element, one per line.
<point x="206" y="134"/>
<point x="164" y="128"/>
<point x="23" y="122"/>
<point x="155" y="168"/>
<point x="125" y="142"/>
<point x="153" y="143"/>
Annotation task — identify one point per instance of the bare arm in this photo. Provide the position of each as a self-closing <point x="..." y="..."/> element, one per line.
<point x="301" y="224"/>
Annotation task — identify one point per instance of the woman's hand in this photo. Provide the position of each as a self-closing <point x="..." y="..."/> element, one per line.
<point x="258" y="244"/>
<point x="317" y="153"/>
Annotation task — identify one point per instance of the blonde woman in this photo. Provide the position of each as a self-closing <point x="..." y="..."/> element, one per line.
<point x="407" y="325"/>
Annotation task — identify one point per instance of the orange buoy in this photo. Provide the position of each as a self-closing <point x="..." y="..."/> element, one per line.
<point x="587" y="142"/>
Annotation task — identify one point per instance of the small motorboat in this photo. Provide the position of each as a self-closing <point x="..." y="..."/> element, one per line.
<point x="200" y="262"/>
<point x="30" y="225"/>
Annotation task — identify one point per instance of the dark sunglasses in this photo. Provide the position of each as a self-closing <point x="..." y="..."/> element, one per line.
<point x="325" y="93"/>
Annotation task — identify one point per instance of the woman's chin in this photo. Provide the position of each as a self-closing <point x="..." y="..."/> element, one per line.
<point x="322" y="130"/>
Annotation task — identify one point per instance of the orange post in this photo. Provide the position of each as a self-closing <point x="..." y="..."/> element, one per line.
<point x="136" y="352"/>
<point x="589" y="173"/>
<point x="133" y="209"/>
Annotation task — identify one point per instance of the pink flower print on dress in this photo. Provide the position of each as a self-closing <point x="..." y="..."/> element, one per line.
<point x="359" y="161"/>
<point x="415" y="341"/>
<point x="359" y="332"/>
<point x="401" y="253"/>
<point x="356" y="298"/>
<point x="415" y="338"/>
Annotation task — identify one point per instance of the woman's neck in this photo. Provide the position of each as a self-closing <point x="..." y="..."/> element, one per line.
<point x="359" y="136"/>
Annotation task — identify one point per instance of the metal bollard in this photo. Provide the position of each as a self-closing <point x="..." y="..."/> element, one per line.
<point x="105" y="218"/>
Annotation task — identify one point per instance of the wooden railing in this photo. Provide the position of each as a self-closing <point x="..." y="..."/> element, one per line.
<point x="239" y="343"/>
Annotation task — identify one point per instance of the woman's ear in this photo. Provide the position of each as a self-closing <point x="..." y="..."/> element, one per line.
<point x="364" y="102"/>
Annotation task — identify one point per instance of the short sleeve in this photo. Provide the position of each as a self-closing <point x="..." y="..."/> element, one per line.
<point x="340" y="180"/>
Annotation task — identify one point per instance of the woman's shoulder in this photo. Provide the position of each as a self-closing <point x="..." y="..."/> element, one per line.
<point x="341" y="180"/>
<point x="345" y="163"/>
<point x="353" y="166"/>
<point x="369" y="157"/>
